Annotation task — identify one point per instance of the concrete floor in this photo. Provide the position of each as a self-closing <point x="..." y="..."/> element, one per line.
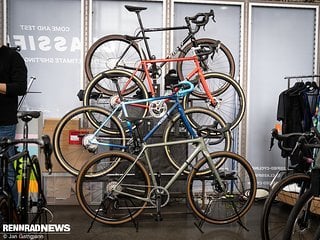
<point x="178" y="223"/>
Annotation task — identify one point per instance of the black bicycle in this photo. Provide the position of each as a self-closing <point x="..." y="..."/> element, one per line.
<point x="294" y="181"/>
<point x="32" y="205"/>
<point x="123" y="51"/>
<point x="304" y="218"/>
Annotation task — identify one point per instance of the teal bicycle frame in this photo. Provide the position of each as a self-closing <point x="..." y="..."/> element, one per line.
<point x="123" y="106"/>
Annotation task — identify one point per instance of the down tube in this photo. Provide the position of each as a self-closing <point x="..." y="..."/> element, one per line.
<point x="155" y="128"/>
<point x="186" y="121"/>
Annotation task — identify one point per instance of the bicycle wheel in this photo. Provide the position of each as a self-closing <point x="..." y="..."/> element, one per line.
<point x="108" y="198"/>
<point x="131" y="88"/>
<point x="199" y="118"/>
<point x="8" y="213"/>
<point x="69" y="138"/>
<point x="304" y="218"/>
<point x="220" y="61"/>
<point x="277" y="206"/>
<point x="206" y="196"/>
<point x="230" y="102"/>
<point x="112" y="51"/>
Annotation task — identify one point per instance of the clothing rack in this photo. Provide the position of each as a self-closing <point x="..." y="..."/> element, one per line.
<point x="301" y="77"/>
<point x="290" y="79"/>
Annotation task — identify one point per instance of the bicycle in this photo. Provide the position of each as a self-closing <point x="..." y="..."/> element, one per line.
<point x="218" y="90"/>
<point x="32" y="206"/>
<point x="303" y="220"/>
<point x="122" y="51"/>
<point x="99" y="130"/>
<point x="293" y="183"/>
<point x="217" y="195"/>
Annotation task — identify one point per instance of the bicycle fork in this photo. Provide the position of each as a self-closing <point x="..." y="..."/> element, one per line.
<point x="204" y="84"/>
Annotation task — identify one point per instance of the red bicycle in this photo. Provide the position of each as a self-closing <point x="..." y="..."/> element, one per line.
<point x="217" y="91"/>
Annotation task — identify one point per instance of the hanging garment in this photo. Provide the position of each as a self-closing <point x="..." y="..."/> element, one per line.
<point x="296" y="108"/>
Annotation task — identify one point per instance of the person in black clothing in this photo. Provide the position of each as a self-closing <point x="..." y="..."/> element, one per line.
<point x="13" y="83"/>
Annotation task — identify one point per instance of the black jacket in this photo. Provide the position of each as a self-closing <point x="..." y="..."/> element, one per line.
<point x="13" y="72"/>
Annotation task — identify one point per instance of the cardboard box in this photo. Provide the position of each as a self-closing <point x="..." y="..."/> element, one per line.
<point x="59" y="189"/>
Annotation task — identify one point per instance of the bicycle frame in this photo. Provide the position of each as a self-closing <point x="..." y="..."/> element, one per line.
<point x="169" y="56"/>
<point x="144" y="30"/>
<point x="27" y="168"/>
<point x="197" y="70"/>
<point x="24" y="186"/>
<point x="122" y="106"/>
<point x="200" y="147"/>
<point x="174" y="52"/>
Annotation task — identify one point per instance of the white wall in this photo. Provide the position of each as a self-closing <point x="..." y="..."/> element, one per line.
<point x="49" y="35"/>
<point x="282" y="41"/>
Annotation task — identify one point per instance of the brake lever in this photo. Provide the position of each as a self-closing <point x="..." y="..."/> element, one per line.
<point x="298" y="144"/>
<point x="216" y="49"/>
<point x="274" y="132"/>
<point x="271" y="143"/>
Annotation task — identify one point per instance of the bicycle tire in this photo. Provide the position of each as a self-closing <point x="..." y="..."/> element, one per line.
<point x="230" y="103"/>
<point x="298" y="228"/>
<point x="222" y="60"/>
<point x="70" y="131"/>
<point x="106" y="51"/>
<point x="38" y="204"/>
<point x="239" y="180"/>
<point x="8" y="213"/>
<point x="198" y="118"/>
<point x="96" y="196"/>
<point x="276" y="207"/>
<point x="131" y="89"/>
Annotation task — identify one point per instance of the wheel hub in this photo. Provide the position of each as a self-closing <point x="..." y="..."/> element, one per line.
<point x="111" y="186"/>
<point x="87" y="143"/>
<point x="114" y="101"/>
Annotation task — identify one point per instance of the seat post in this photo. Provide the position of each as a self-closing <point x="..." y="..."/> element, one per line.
<point x="143" y="34"/>
<point x="25" y="120"/>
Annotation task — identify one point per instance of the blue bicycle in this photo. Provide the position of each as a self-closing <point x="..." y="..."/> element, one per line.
<point x="89" y="130"/>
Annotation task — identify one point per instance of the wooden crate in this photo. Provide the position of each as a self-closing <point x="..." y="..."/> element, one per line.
<point x="290" y="198"/>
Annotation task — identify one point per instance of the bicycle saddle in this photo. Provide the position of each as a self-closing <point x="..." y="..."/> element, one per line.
<point x="134" y="8"/>
<point x="28" y="115"/>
